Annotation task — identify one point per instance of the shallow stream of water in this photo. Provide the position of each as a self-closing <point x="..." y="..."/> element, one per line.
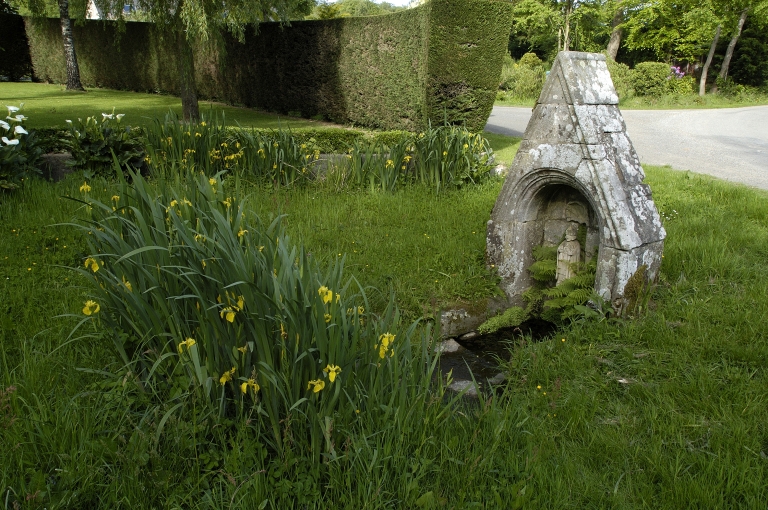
<point x="483" y="355"/>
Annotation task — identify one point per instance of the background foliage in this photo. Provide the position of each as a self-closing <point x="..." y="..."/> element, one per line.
<point x="399" y="71"/>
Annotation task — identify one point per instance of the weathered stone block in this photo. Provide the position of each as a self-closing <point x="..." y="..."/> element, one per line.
<point x="576" y="166"/>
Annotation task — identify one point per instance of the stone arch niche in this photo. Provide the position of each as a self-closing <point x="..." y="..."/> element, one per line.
<point x="576" y="166"/>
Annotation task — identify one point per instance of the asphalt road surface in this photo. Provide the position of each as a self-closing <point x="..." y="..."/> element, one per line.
<point x="728" y="143"/>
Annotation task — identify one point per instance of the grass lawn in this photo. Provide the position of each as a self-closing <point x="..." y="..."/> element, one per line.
<point x="667" y="411"/>
<point x="49" y="105"/>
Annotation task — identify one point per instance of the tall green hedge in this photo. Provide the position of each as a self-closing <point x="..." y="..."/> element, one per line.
<point x="397" y="71"/>
<point x="133" y="59"/>
<point x="467" y="43"/>
<point x="15" y="62"/>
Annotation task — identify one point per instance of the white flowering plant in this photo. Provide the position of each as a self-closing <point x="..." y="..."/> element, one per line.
<point x="19" y="151"/>
<point x="93" y="141"/>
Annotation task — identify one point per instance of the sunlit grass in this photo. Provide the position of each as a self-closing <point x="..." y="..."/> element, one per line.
<point x="49" y="105"/>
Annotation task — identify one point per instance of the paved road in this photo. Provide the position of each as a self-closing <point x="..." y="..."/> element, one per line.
<point x="729" y="143"/>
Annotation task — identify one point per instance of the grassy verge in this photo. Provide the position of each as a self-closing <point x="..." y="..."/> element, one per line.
<point x="671" y="102"/>
<point x="678" y="102"/>
<point x="667" y="411"/>
<point x="521" y="103"/>
<point x="49" y="105"/>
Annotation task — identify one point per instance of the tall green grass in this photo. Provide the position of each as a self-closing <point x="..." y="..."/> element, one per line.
<point x="439" y="157"/>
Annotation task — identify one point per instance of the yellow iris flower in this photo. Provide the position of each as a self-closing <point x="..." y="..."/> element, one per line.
<point x="189" y="342"/>
<point x="385" y="341"/>
<point x="227" y="376"/>
<point x="252" y="383"/>
<point x="332" y="371"/>
<point x="92" y="264"/>
<point x="316" y="385"/>
<point x="91" y="307"/>
<point x="228" y="313"/>
<point x="85" y="188"/>
<point x="327" y="294"/>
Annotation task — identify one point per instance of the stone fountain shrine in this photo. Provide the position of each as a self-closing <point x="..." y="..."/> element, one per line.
<point x="576" y="167"/>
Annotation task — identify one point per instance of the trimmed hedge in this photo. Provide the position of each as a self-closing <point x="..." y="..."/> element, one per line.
<point x="15" y="62"/>
<point x="136" y="59"/>
<point x="467" y="43"/>
<point x="438" y="61"/>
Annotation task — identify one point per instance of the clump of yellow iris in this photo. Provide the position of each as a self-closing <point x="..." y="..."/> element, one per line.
<point x="327" y="294"/>
<point x="230" y="311"/>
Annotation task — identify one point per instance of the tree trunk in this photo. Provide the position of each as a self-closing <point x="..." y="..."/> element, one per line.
<point x="73" y="70"/>
<point x="567" y="30"/>
<point x="732" y="45"/>
<point x="703" y="81"/>
<point x="616" y="32"/>
<point x="187" y="87"/>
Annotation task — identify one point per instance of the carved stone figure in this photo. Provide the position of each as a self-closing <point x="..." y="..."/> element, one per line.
<point x="568" y="254"/>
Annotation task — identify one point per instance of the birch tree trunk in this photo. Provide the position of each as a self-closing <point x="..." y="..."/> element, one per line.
<point x="567" y="28"/>
<point x="732" y="44"/>
<point x="613" y="44"/>
<point x="187" y="87"/>
<point x="73" y="70"/>
<point x="703" y="81"/>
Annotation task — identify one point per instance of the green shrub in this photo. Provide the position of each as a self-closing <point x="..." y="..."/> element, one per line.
<point x="523" y="79"/>
<point x="531" y="61"/>
<point x="19" y="150"/>
<point x="621" y="75"/>
<point x="53" y="139"/>
<point x="729" y="88"/>
<point x="656" y="79"/>
<point x="650" y="78"/>
<point x="681" y="86"/>
<point x="225" y="318"/>
<point x="95" y="143"/>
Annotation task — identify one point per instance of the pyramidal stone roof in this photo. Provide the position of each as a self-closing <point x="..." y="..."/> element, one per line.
<point x="576" y="141"/>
